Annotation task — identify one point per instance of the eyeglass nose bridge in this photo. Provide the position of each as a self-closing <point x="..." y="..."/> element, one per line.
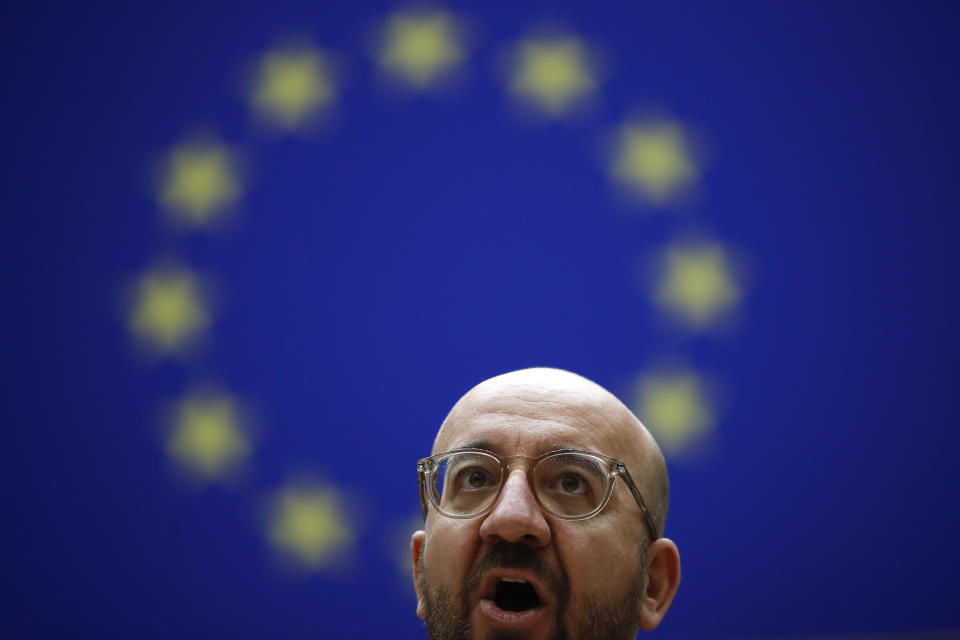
<point x="513" y="461"/>
<point x="509" y="464"/>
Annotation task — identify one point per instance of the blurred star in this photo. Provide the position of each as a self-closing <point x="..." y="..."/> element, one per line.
<point x="208" y="437"/>
<point x="674" y="407"/>
<point x="200" y="181"/>
<point x="697" y="283"/>
<point x="554" y="74"/>
<point x="420" y="48"/>
<point x="169" y="310"/>
<point x="655" y="160"/>
<point x="308" y="524"/>
<point x="291" y="85"/>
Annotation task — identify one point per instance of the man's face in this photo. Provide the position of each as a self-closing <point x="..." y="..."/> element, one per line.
<point x="588" y="575"/>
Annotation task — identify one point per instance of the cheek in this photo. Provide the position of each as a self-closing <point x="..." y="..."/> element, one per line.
<point x="448" y="551"/>
<point x="596" y="562"/>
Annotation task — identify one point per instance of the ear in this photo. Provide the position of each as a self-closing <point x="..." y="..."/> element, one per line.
<point x="663" y="562"/>
<point x="416" y="549"/>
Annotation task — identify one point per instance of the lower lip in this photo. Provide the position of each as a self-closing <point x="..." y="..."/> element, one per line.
<point x="518" y="620"/>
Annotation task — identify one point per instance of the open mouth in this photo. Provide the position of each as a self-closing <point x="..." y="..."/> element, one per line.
<point x="513" y="600"/>
<point x="515" y="594"/>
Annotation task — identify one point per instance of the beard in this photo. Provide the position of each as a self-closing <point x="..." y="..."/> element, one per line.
<point x="447" y="614"/>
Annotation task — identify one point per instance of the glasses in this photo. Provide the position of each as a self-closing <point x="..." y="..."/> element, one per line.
<point x="568" y="484"/>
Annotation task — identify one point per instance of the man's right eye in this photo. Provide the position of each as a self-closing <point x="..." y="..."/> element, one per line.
<point x="476" y="479"/>
<point x="473" y="478"/>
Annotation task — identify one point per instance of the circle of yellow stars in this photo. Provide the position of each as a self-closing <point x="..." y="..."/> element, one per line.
<point x="289" y="87"/>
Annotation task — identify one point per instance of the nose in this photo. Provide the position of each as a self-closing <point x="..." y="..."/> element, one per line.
<point x="516" y="516"/>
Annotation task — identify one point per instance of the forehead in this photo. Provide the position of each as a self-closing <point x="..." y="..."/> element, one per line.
<point x="521" y="420"/>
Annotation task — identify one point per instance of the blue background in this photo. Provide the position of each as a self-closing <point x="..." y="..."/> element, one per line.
<point x="381" y="267"/>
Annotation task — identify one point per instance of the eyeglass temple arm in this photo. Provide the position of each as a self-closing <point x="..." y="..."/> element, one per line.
<point x="622" y="471"/>
<point x="423" y="494"/>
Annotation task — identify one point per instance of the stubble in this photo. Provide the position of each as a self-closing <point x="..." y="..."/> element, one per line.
<point x="447" y="614"/>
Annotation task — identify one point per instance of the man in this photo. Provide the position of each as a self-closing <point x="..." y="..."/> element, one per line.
<point x="544" y="503"/>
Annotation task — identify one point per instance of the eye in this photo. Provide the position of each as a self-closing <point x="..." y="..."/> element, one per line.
<point x="476" y="479"/>
<point x="571" y="483"/>
<point x="473" y="478"/>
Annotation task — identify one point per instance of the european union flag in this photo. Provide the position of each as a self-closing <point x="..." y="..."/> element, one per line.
<point x="253" y="254"/>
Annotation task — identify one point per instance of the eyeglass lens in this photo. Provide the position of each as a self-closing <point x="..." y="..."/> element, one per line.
<point x="567" y="484"/>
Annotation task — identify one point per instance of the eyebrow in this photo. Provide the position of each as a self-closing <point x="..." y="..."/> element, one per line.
<point x="486" y="445"/>
<point x="556" y="446"/>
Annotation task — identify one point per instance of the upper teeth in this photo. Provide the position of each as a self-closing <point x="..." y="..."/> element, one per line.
<point x="513" y="580"/>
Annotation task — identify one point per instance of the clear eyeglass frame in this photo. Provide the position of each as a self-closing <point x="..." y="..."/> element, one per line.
<point x="615" y="468"/>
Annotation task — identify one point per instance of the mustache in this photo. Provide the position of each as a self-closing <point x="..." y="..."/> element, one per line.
<point x="508" y="555"/>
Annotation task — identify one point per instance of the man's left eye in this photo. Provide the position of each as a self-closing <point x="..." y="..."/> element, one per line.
<point x="571" y="484"/>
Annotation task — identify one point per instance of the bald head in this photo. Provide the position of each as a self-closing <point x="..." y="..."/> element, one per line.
<point x="544" y="400"/>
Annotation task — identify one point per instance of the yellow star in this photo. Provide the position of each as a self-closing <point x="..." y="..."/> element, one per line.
<point x="697" y="283"/>
<point x="200" y="181"/>
<point x="655" y="160"/>
<point x="674" y="407"/>
<point x="291" y="85"/>
<point x="308" y="524"/>
<point x="208" y="438"/>
<point x="419" y="48"/>
<point x="553" y="74"/>
<point x="168" y="311"/>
